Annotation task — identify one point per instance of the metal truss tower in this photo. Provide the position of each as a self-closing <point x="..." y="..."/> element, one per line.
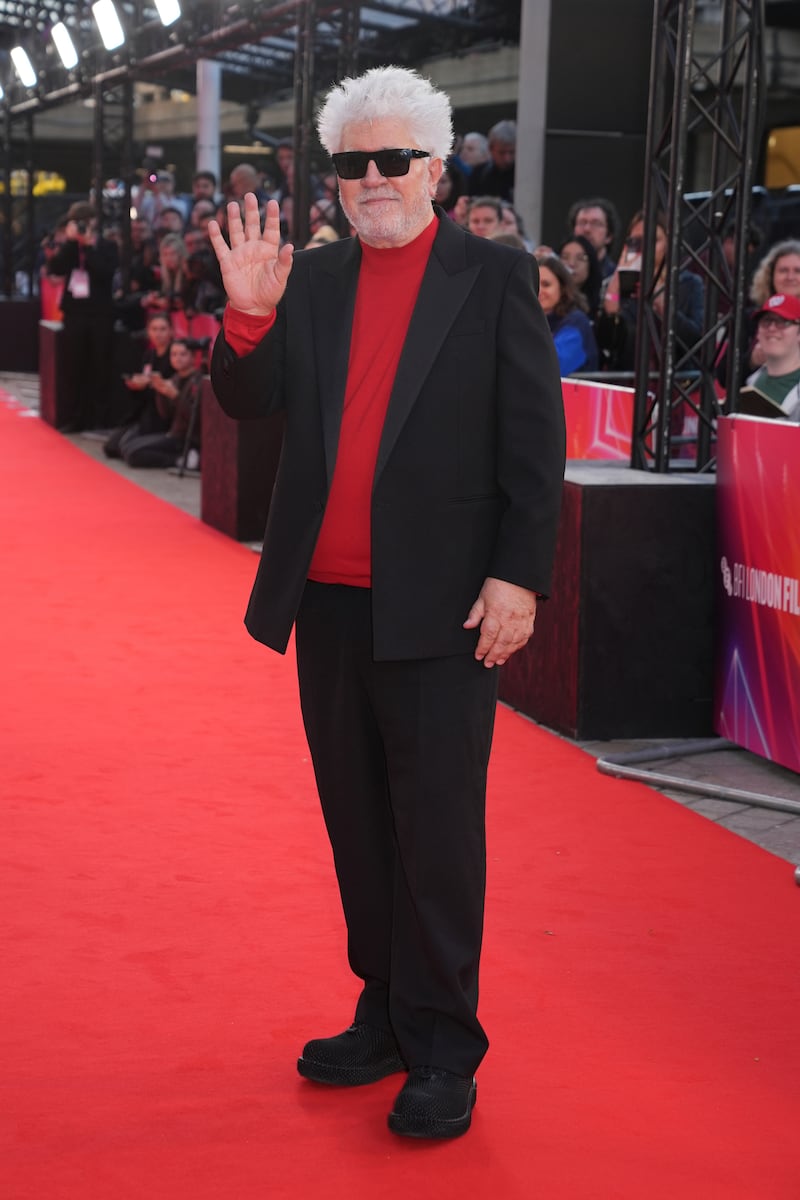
<point x="306" y="79"/>
<point x="716" y="99"/>
<point x="17" y="211"/>
<point x="113" y="158"/>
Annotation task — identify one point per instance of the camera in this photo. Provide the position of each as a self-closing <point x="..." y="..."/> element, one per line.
<point x="82" y="227"/>
<point x="628" y="282"/>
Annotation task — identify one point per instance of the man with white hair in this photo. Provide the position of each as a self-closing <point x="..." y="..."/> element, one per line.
<point x="411" y="528"/>
<point x="471" y="153"/>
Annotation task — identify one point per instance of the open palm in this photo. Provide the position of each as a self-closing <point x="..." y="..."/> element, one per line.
<point x="255" y="267"/>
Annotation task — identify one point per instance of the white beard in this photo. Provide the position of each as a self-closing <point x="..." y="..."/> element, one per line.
<point x="400" y="220"/>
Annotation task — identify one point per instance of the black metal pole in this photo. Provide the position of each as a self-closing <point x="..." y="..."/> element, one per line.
<point x="98" y="159"/>
<point x="755" y="72"/>
<point x="30" y="212"/>
<point x="303" y="109"/>
<point x="643" y="399"/>
<point x="8" y="211"/>
<point x="126" y="172"/>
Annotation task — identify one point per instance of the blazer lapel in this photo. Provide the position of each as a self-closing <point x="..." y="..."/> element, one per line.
<point x="333" y="296"/>
<point x="446" y="284"/>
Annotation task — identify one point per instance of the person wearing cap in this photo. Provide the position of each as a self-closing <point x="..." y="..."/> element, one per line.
<point x="778" y="323"/>
<point x="86" y="261"/>
<point x="412" y="525"/>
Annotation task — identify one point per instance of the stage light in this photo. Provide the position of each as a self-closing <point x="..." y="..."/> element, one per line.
<point x="108" y="23"/>
<point x="2" y="93"/>
<point x="64" y="45"/>
<point x="168" y="10"/>
<point x="23" y="66"/>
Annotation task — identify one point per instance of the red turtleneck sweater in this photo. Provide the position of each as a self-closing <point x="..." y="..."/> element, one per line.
<point x="388" y="285"/>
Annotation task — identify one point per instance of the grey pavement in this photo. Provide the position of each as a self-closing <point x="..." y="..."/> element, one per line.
<point x="748" y="795"/>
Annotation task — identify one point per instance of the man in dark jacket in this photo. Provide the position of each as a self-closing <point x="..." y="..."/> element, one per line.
<point x="411" y="528"/>
<point x="86" y="261"/>
<point x="496" y="177"/>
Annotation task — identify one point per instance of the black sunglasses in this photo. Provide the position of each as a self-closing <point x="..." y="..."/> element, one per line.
<point x="353" y="164"/>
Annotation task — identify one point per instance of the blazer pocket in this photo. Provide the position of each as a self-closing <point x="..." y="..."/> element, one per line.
<point x="484" y="498"/>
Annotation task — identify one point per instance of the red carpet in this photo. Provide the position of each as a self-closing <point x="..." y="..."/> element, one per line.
<point x="171" y="931"/>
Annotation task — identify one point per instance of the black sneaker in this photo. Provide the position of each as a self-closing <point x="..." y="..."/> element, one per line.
<point x="362" y="1054"/>
<point x="433" y="1104"/>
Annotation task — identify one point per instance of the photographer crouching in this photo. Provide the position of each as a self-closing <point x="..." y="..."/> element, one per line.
<point x="86" y="261"/>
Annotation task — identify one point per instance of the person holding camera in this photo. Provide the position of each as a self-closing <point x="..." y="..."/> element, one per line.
<point x="87" y="262"/>
<point x="616" y="325"/>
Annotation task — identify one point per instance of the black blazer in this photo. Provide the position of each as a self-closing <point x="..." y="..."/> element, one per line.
<point x="471" y="460"/>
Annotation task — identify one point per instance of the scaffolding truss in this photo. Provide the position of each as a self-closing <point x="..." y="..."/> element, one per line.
<point x="113" y="159"/>
<point x="678" y="399"/>
<point x="254" y="41"/>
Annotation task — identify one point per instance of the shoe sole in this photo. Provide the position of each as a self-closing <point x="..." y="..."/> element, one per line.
<point x="319" y="1072"/>
<point x="440" y="1128"/>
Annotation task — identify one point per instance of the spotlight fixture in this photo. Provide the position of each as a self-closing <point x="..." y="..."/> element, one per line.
<point x="108" y="23"/>
<point x="64" y="45"/>
<point x="168" y="10"/>
<point x="23" y="67"/>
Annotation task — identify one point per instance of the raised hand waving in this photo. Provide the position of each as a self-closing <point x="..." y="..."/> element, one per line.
<point x="255" y="267"/>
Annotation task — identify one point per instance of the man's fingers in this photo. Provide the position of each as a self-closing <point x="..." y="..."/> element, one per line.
<point x="272" y="222"/>
<point x="490" y="628"/>
<point x="252" y="218"/>
<point x="218" y="243"/>
<point x="283" y="263"/>
<point x="497" y="643"/>
<point x="475" y="615"/>
<point x="235" y="230"/>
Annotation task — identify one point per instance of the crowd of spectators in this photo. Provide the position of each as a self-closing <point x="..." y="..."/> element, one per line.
<point x="590" y="285"/>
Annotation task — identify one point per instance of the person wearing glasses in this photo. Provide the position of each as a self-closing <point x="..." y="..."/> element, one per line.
<point x="596" y="219"/>
<point x="411" y="529"/>
<point x="778" y="339"/>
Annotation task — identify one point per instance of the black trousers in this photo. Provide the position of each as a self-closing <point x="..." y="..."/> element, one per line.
<point x="400" y="752"/>
<point x="88" y="349"/>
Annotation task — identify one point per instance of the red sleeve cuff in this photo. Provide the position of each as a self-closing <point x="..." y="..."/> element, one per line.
<point x="242" y="331"/>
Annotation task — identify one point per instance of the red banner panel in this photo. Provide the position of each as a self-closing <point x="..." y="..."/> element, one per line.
<point x="757" y="685"/>
<point x="599" y="419"/>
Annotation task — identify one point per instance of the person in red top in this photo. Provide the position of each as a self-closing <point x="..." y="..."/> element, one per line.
<point x="412" y="526"/>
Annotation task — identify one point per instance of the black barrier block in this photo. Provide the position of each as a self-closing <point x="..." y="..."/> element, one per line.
<point x="624" y="646"/>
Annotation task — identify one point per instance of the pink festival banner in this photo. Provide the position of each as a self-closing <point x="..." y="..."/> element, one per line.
<point x="757" y="684"/>
<point x="599" y="419"/>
